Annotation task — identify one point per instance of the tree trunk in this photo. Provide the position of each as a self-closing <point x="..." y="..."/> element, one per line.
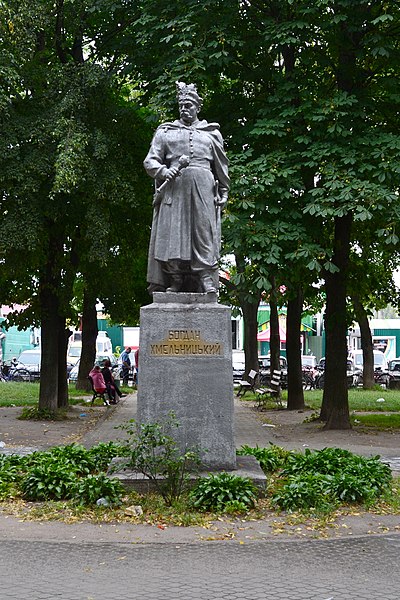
<point x="366" y="343"/>
<point x="89" y="335"/>
<point x="48" y="393"/>
<point x="274" y="338"/>
<point x="293" y="352"/>
<point x="335" y="403"/>
<point x="250" y="345"/>
<point x="63" y="335"/>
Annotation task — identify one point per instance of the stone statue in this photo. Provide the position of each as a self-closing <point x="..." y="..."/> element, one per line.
<point x="190" y="169"/>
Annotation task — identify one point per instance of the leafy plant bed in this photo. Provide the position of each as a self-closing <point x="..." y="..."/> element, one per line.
<point x="321" y="480"/>
<point x="69" y="483"/>
<point x="263" y="518"/>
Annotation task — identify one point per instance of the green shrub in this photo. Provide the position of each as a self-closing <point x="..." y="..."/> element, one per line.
<point x="35" y="413"/>
<point x="322" y="478"/>
<point x="103" y="453"/>
<point x="55" y="474"/>
<point x="12" y="470"/>
<point x="90" y="489"/>
<point x="328" y="460"/>
<point x="303" y="492"/>
<point x="49" y="481"/>
<point x="223" y="492"/>
<point x="153" y="451"/>
<point x="74" y="457"/>
<point x="271" y="459"/>
<point x="7" y="489"/>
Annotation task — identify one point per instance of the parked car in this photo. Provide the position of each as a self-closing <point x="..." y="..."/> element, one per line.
<point x="238" y="365"/>
<point x="100" y="358"/>
<point x="30" y="360"/>
<point x="380" y="362"/>
<point x="309" y="360"/>
<point x="381" y="374"/>
<point x="353" y="374"/>
<point x="394" y="374"/>
<point x="74" y="352"/>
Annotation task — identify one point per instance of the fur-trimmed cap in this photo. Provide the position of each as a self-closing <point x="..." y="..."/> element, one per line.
<point x="188" y="91"/>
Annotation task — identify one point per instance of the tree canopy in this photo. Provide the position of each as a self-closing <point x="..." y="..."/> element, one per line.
<point x="307" y="95"/>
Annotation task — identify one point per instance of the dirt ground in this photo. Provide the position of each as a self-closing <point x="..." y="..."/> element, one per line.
<point x="44" y="434"/>
<point x="286" y="428"/>
<point x="291" y="431"/>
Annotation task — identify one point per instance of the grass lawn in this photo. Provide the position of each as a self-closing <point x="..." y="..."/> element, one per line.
<point x="13" y="393"/>
<point x="378" y="421"/>
<point x="359" y="399"/>
<point x="367" y="402"/>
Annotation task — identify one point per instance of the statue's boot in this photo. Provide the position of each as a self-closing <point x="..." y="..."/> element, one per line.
<point x="208" y="283"/>
<point x="176" y="283"/>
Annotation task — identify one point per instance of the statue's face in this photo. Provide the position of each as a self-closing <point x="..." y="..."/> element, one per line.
<point x="188" y="111"/>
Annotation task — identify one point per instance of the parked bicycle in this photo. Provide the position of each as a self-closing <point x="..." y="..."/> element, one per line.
<point x="10" y="373"/>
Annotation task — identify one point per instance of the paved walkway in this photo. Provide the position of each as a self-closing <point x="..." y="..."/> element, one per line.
<point x="249" y="430"/>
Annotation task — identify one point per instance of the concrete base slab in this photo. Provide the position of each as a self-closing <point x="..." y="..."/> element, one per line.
<point x="246" y="466"/>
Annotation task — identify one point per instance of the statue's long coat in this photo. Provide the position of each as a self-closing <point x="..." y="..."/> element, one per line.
<point x="185" y="219"/>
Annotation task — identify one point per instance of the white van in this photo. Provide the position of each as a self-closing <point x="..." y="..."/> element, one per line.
<point x="380" y="362"/>
<point x="74" y="352"/>
<point x="103" y="347"/>
<point x="103" y="343"/>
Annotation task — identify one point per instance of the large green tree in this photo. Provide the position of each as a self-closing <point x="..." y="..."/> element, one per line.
<point x="307" y="96"/>
<point x="70" y="163"/>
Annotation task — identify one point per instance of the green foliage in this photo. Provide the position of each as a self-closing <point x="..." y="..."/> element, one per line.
<point x="224" y="492"/>
<point x="60" y="473"/>
<point x="307" y="102"/>
<point x="102" y="454"/>
<point x="71" y="154"/>
<point x="11" y="473"/>
<point x="74" y="457"/>
<point x="305" y="492"/>
<point x="271" y="459"/>
<point x="90" y="489"/>
<point x="326" y="461"/>
<point x="321" y="479"/>
<point x="153" y="451"/>
<point x="49" y="480"/>
<point x="35" y="413"/>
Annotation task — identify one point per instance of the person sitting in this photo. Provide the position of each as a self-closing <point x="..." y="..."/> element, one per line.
<point x="99" y="385"/>
<point x="112" y="387"/>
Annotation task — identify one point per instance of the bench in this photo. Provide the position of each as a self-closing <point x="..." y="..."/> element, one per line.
<point x="247" y="385"/>
<point x="272" y="392"/>
<point x="98" y="394"/>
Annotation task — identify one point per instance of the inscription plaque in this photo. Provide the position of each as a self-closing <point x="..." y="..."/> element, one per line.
<point x="185" y="342"/>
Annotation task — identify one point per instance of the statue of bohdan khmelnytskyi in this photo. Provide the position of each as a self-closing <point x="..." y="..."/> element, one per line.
<point x="190" y="168"/>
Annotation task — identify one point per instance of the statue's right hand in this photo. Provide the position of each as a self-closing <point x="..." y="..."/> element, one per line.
<point x="171" y="173"/>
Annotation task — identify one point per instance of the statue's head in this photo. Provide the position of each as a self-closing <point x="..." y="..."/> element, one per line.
<point x="189" y="101"/>
<point x="188" y="92"/>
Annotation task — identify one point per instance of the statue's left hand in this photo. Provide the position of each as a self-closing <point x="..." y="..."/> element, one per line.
<point x="222" y="200"/>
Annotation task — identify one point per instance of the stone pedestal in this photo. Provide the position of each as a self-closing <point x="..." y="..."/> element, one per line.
<point x="186" y="367"/>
